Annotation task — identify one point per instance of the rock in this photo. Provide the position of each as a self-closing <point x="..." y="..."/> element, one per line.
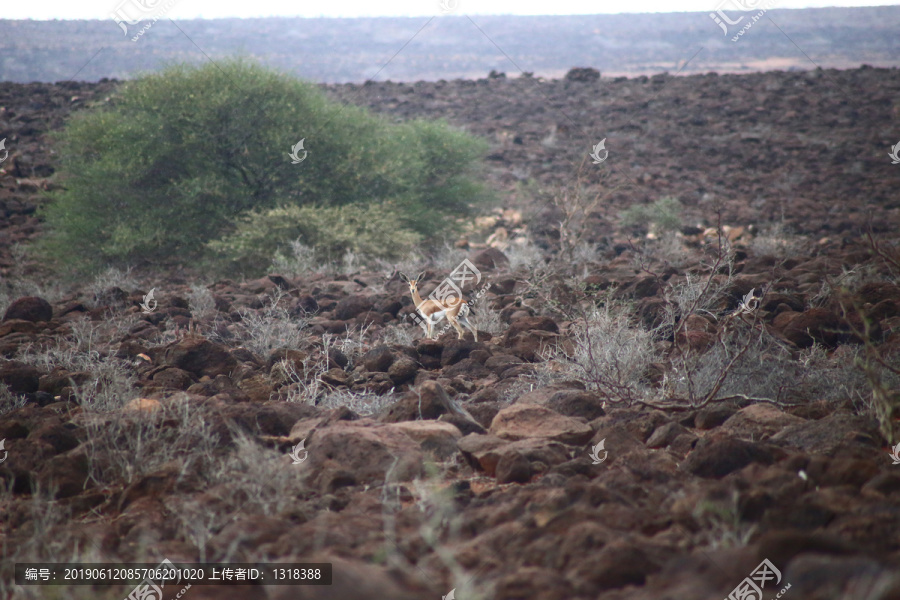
<point x="221" y="384"/>
<point x="533" y="582"/>
<point x="336" y="358"/>
<point x="531" y="345"/>
<point x="365" y="448"/>
<point x="414" y="405"/>
<point x="878" y="291"/>
<point x="240" y="538"/>
<point x="276" y="418"/>
<point x="56" y="435"/>
<point x="713" y="415"/>
<point x="403" y="369"/>
<point x="619" y="443"/>
<point x="481" y="451"/>
<point x="525" y="324"/>
<point x="485" y="451"/>
<point x="153" y="485"/>
<point x="521" y="421"/>
<point x="257" y="387"/>
<point x="758" y="422"/>
<point x="817" y="575"/>
<point x="817" y="325"/>
<point x="378" y="359"/>
<point x="11" y="326"/>
<point x="200" y="357"/>
<point x="173" y="378"/>
<point x="639" y="423"/>
<point x="667" y="434"/>
<point x="643" y="286"/>
<point x="143" y="405"/>
<point x="513" y="467"/>
<point x="302" y="429"/>
<point x="782" y="546"/>
<point x="29" y="308"/>
<point x="337" y="377"/>
<point x="66" y="474"/>
<point x="489" y="259"/>
<point x="716" y="458"/>
<point x="468" y="369"/>
<point x="577" y="403"/>
<point x="464" y="424"/>
<point x="293" y="358"/>
<point x="457" y="350"/>
<point x="849" y="436"/>
<point x="434" y="437"/>
<point x="616" y="565"/>
<point x="351" y="307"/>
<point x="21" y="378"/>
<point x="884" y="483"/>
<point x="499" y="363"/>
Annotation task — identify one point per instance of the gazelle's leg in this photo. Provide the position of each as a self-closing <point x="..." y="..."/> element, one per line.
<point x="465" y="321"/>
<point x="455" y="323"/>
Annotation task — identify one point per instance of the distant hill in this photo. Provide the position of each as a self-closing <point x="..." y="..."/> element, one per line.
<point x="455" y="47"/>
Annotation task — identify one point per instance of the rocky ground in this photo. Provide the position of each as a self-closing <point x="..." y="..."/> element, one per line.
<point x="645" y="415"/>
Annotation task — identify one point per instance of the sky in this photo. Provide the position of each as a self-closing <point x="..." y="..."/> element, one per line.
<point x="214" y="9"/>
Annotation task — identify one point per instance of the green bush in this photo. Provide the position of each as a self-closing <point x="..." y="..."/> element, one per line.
<point x="185" y="157"/>
<point x="662" y="215"/>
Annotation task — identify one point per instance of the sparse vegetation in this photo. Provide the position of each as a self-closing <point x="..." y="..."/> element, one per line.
<point x="663" y="215"/>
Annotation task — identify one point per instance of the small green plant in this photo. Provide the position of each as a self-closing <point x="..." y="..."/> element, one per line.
<point x="262" y="237"/>
<point x="661" y="216"/>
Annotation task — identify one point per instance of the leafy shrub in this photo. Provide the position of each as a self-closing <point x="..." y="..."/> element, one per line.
<point x="662" y="215"/>
<point x="331" y="231"/>
<point x="168" y="164"/>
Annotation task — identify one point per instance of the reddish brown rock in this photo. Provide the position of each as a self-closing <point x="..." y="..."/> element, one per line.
<point x="522" y="421"/>
<point x="200" y="357"/>
<point x="29" y="308"/>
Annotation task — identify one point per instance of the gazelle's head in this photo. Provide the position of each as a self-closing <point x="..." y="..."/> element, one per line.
<point x="413" y="283"/>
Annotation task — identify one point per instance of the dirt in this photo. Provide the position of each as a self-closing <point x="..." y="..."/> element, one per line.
<point x="486" y="467"/>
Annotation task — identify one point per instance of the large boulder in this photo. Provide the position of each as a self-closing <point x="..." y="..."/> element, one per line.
<point x="522" y="421"/>
<point x="29" y="308"/>
<point x="200" y="357"/>
<point x="362" y="452"/>
<point x="21" y="378"/>
<point x="716" y="458"/>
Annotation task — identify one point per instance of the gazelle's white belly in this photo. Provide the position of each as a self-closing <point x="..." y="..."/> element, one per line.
<point x="436" y="316"/>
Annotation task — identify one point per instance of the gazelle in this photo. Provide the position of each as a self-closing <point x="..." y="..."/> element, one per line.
<point x="433" y="310"/>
